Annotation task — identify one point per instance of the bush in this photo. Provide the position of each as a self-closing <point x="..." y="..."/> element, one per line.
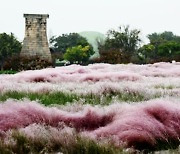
<point x="113" y="56"/>
<point x="9" y="45"/>
<point x="78" y="54"/>
<point x="18" y="63"/>
<point x="33" y="63"/>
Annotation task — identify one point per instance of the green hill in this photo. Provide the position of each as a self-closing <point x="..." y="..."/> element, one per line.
<point x="92" y="38"/>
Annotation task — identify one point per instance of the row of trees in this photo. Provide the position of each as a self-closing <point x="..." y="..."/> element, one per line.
<point x="71" y="47"/>
<point x="162" y="47"/>
<point x="120" y="46"/>
<point x="124" y="46"/>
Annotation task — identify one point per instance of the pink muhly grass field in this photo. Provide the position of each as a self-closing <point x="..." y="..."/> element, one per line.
<point x="99" y="72"/>
<point x="139" y="126"/>
<point x="162" y="79"/>
<point x="143" y="125"/>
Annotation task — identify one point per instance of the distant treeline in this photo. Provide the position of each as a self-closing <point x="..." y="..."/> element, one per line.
<point x="120" y="46"/>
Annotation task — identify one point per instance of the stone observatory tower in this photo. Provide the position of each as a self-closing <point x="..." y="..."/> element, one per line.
<point x="35" y="42"/>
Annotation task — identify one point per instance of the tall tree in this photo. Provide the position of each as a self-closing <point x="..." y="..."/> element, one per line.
<point x="78" y="54"/>
<point x="162" y="47"/>
<point x="9" y="45"/>
<point x="125" y="39"/>
<point x="123" y="43"/>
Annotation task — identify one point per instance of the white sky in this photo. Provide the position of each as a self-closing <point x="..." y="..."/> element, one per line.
<point x="92" y="15"/>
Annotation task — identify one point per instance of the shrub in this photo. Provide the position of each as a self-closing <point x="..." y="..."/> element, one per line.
<point x="113" y="56"/>
<point x="78" y="54"/>
<point x="19" y="63"/>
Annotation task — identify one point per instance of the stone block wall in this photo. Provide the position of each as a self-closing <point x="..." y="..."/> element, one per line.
<point x="35" y="42"/>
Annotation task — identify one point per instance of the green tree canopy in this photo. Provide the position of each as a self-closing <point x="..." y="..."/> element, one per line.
<point x="162" y="47"/>
<point x="123" y="42"/>
<point x="145" y="53"/>
<point x="125" y="39"/>
<point x="158" y="38"/>
<point x="61" y="43"/>
<point x="9" y="45"/>
<point x="78" y="54"/>
<point x="170" y="48"/>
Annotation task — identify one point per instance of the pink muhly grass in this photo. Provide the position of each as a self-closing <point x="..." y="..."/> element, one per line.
<point x="96" y="73"/>
<point x="49" y="134"/>
<point x="78" y="75"/>
<point x="14" y="114"/>
<point x="94" y="79"/>
<point x="111" y="76"/>
<point x="143" y="126"/>
<point x="139" y="126"/>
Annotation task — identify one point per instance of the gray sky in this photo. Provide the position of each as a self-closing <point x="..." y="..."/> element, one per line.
<point x="92" y="15"/>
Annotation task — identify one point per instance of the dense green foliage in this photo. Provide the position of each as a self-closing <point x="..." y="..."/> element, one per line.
<point x="123" y="46"/>
<point x="124" y="39"/>
<point x="123" y="42"/>
<point x="9" y="46"/>
<point x="162" y="47"/>
<point x="78" y="54"/>
<point x="61" y="44"/>
<point x="158" y="38"/>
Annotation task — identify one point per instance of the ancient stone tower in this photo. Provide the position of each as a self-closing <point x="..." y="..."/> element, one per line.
<point x="35" y="42"/>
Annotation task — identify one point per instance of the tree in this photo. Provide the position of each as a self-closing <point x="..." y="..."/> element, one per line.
<point x="61" y="43"/>
<point x="124" y="41"/>
<point x="78" y="54"/>
<point x="158" y="38"/>
<point x="9" y="46"/>
<point x="145" y="53"/>
<point x="170" y="49"/>
<point x="162" y="47"/>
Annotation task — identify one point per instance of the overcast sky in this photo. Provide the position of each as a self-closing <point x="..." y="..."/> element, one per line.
<point x="92" y="15"/>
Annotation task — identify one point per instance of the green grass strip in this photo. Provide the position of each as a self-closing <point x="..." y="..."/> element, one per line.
<point x="8" y="72"/>
<point x="61" y="98"/>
